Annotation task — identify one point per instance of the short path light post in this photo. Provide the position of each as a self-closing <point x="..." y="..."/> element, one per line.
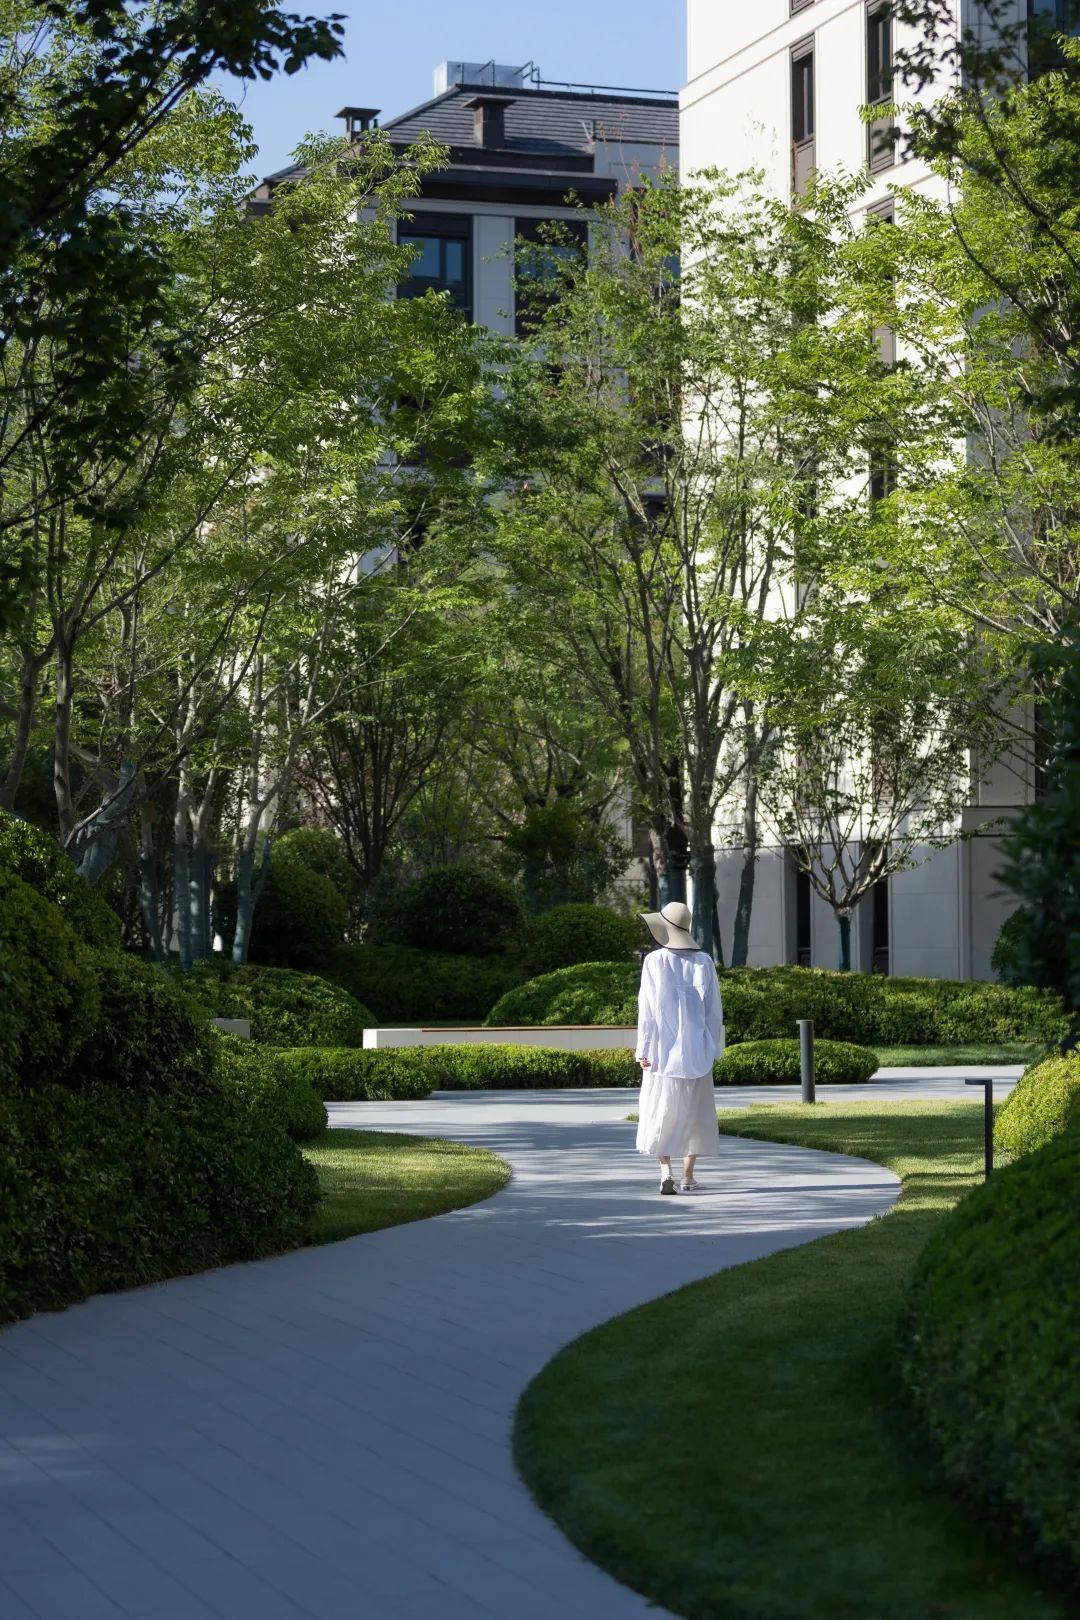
<point x="806" y="1058"/>
<point x="988" y="1120"/>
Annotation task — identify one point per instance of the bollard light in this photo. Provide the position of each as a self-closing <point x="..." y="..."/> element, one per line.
<point x="806" y="1058"/>
<point x="988" y="1120"/>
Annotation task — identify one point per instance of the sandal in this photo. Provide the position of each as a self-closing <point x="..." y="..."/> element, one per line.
<point x="667" y="1187"/>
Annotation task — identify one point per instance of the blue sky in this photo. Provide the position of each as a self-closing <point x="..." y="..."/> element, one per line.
<point x="391" y="50"/>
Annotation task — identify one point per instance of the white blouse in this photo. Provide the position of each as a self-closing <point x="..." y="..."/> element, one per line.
<point x="680" y="1015"/>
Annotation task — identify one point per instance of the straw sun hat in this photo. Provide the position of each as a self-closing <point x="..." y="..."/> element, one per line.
<point x="671" y="926"/>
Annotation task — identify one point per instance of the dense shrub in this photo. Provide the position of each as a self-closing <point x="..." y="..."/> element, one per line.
<point x="319" y="851"/>
<point x="149" y="1037"/>
<point x="343" y="1075"/>
<point x="300" y="916"/>
<point x="264" y="1079"/>
<point x="1009" y="958"/>
<point x="460" y="909"/>
<point x="107" y="1189"/>
<point x="49" y="997"/>
<point x="285" y="1008"/>
<point x="991" y="1352"/>
<point x="590" y="993"/>
<point x="570" y="934"/>
<point x="563" y="854"/>
<point x="415" y="1071"/>
<point x="38" y="859"/>
<point x="403" y="985"/>
<point x="765" y="1003"/>
<point x="1045" y="1102"/>
<point x="777" y="1063"/>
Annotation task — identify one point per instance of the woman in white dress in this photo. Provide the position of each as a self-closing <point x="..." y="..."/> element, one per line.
<point x="680" y="1036"/>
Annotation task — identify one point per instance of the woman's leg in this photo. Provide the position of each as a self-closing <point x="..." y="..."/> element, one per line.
<point x="688" y="1166"/>
<point x="665" y="1166"/>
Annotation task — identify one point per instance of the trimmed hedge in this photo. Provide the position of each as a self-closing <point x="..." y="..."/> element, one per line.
<point x="1042" y="1106"/>
<point x="763" y="1063"/>
<point x="566" y="935"/>
<point x="343" y="1075"/>
<point x="107" y="1189"/>
<point x="38" y="859"/>
<point x="405" y="985"/>
<point x="764" y="1004"/>
<point x="991" y="1354"/>
<point x="415" y="1071"/>
<point x="49" y="996"/>
<point x="149" y="1037"/>
<point x="286" y="1008"/>
<point x="264" y="1080"/>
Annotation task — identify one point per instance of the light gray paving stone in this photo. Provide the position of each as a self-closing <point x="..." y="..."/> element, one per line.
<point x="326" y="1435"/>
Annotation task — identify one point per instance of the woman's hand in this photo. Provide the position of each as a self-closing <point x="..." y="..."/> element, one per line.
<point x="644" y="1062"/>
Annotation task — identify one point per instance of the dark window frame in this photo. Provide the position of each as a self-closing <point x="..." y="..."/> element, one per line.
<point x="443" y="229"/>
<point x="529" y="230"/>
<point x="880" y="68"/>
<point x="884" y="213"/>
<point x="803" y="112"/>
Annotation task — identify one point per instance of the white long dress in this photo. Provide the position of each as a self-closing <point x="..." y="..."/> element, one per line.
<point x="681" y="1034"/>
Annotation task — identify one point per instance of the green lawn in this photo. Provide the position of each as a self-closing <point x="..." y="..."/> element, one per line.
<point x="372" y="1179"/>
<point x="740" y="1450"/>
<point x="905" y="1057"/>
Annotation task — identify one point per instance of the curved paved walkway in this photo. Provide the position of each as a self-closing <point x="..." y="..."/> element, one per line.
<point x="326" y="1434"/>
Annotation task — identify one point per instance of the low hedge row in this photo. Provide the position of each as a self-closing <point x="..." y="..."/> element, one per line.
<point x="991" y="1354"/>
<point x="403" y="985"/>
<point x="285" y="1008"/>
<point x="1042" y="1106"/>
<point x="415" y="1071"/>
<point x="763" y="1063"/>
<point x="765" y="1003"/>
<point x="106" y="1188"/>
<point x="263" y="1079"/>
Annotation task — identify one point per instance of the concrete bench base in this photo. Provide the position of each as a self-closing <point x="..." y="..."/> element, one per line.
<point x="566" y="1037"/>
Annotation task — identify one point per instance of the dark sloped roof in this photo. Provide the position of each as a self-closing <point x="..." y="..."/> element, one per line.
<point x="547" y="122"/>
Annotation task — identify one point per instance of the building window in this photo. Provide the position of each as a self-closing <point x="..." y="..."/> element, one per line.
<point x="879" y="83"/>
<point x="1045" y="19"/>
<point x="884" y="472"/>
<point x="879" y="900"/>
<point x="803" y="937"/>
<point x="443" y="261"/>
<point x="885" y="336"/>
<point x="541" y="250"/>
<point x="802" y="116"/>
<point x="800" y="5"/>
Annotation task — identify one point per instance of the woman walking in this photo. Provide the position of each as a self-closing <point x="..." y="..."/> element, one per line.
<point x="680" y="1036"/>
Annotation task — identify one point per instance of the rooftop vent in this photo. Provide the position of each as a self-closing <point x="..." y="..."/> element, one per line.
<point x="495" y="74"/>
<point x="489" y="119"/>
<point x="357" y="119"/>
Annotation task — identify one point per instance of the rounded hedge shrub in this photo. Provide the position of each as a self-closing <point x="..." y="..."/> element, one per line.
<point x="570" y="934"/>
<point x="285" y="1008"/>
<point x="38" y="859"/>
<point x="460" y="909"/>
<point x="390" y="1073"/>
<point x="589" y="993"/>
<point x="49" y="996"/>
<point x="299" y="917"/>
<point x="991" y="1354"/>
<point x="343" y="1075"/>
<point x="148" y="1037"/>
<point x="763" y="1063"/>
<point x="319" y="851"/>
<point x="405" y="986"/>
<point x="765" y="1003"/>
<point x="263" y="1079"/>
<point x="107" y="1188"/>
<point x="1045" y="1103"/>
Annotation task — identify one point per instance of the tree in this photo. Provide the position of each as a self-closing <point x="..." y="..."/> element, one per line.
<point x="1042" y="847"/>
<point x="86" y="278"/>
<point x="687" y="433"/>
<point x="870" y="769"/>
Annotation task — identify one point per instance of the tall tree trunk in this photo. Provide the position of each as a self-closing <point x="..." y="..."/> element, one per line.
<point x="182" y="871"/>
<point x="843" y="918"/>
<point x="744" y="906"/>
<point x="658" y="853"/>
<point x="249" y="886"/>
<point x="28" y="686"/>
<point x="65" y="699"/>
<point x="149" y="896"/>
<point x="706" y="919"/>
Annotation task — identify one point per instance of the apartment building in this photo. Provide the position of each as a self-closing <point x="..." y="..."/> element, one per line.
<point x="778" y="87"/>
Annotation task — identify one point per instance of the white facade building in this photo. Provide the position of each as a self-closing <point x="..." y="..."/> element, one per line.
<point x="777" y="86"/>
